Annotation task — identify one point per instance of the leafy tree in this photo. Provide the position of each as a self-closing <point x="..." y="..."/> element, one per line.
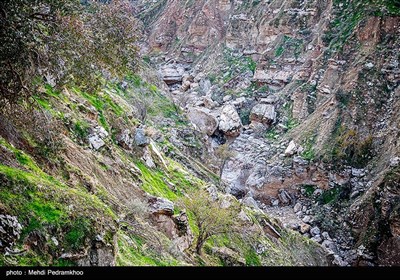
<point x="63" y="41"/>
<point x="211" y="219"/>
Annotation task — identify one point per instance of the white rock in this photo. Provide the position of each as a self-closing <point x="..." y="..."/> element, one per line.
<point x="55" y="241"/>
<point x="227" y="98"/>
<point x="297" y="207"/>
<point x="315" y="231"/>
<point x="148" y="160"/>
<point x="230" y="122"/>
<point x="394" y="161"/>
<point x="369" y="65"/>
<point x="291" y="149"/>
<point x="96" y="142"/>
<point x="326" y="236"/>
<point x="249" y="201"/>
<point x="102" y="132"/>
<point x="317" y="239"/>
<point x="326" y="90"/>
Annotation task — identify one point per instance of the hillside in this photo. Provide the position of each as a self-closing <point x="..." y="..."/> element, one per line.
<point x="267" y="128"/>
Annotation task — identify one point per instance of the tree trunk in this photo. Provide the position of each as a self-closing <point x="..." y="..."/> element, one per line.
<point x="199" y="244"/>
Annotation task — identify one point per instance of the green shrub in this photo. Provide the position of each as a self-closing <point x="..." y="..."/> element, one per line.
<point x="80" y="230"/>
<point x="81" y="130"/>
<point x="252" y="259"/>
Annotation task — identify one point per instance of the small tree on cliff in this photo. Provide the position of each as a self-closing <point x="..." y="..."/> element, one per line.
<point x="211" y="219"/>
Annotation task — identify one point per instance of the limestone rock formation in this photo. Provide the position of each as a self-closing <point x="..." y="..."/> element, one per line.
<point x="203" y="120"/>
<point x="229" y="122"/>
<point x="263" y="113"/>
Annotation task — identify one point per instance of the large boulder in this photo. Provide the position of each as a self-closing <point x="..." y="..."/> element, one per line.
<point x="256" y="178"/>
<point x="96" y="142"/>
<point x="230" y="123"/>
<point x="175" y="227"/>
<point x="96" y="138"/>
<point x="161" y="206"/>
<point x="263" y="113"/>
<point x="172" y="74"/>
<point x="203" y="120"/>
<point x="205" y="85"/>
<point x="141" y="139"/>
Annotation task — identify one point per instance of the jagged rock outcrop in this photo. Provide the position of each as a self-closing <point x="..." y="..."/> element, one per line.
<point x="229" y="257"/>
<point x="175" y="226"/>
<point x="99" y="254"/>
<point x="125" y="139"/>
<point x="10" y="231"/>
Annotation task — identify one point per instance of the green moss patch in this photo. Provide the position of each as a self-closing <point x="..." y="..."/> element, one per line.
<point x="154" y="182"/>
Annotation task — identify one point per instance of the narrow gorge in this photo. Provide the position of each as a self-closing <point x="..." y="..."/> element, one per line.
<point x="250" y="133"/>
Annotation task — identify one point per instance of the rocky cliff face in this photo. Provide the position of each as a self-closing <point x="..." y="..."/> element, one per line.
<point x="97" y="177"/>
<point x="306" y="96"/>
